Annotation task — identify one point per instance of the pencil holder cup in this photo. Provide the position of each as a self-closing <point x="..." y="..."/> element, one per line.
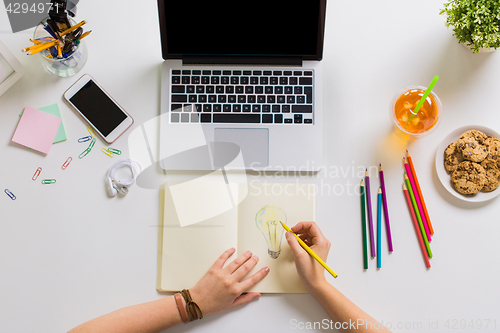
<point x="70" y="64"/>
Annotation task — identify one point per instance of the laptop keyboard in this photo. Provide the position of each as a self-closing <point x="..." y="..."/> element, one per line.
<point x="242" y="96"/>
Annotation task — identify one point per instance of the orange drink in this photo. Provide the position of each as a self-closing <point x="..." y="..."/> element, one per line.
<point x="424" y="121"/>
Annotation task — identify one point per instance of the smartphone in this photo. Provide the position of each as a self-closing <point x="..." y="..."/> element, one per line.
<point x="98" y="108"/>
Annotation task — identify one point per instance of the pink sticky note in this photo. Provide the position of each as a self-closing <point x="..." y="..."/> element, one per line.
<point x="36" y="130"/>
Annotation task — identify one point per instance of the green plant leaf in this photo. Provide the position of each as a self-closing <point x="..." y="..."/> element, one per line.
<point x="475" y="23"/>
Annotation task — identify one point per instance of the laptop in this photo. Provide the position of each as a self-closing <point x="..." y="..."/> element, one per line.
<point x="241" y="85"/>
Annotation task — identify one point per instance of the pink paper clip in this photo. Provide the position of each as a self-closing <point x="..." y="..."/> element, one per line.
<point x="68" y="161"/>
<point x="37" y="173"/>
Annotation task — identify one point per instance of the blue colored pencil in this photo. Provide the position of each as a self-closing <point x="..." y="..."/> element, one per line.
<point x="379" y="227"/>
<point x="370" y="220"/>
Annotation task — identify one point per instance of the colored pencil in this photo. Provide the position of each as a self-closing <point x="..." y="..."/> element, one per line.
<point x="386" y="211"/>
<point x="311" y="252"/>
<point x="419" y="205"/>
<point x="370" y="220"/>
<point x="379" y="227"/>
<point x="419" y="192"/>
<point x="415" y="224"/>
<point x="419" y="219"/>
<point x="363" y="225"/>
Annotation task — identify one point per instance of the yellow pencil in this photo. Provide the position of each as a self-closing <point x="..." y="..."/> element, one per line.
<point x="41" y="46"/>
<point x="76" y="26"/>
<point x="85" y="35"/>
<point x="311" y="252"/>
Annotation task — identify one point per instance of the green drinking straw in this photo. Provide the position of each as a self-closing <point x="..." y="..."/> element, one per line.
<point x="422" y="100"/>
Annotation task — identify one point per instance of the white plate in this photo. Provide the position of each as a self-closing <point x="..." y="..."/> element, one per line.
<point x="445" y="178"/>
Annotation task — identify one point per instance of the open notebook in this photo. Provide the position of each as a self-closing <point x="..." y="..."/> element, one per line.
<point x="186" y="253"/>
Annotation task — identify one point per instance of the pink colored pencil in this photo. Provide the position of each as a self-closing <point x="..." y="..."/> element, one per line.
<point x="417" y="229"/>
<point x="420" y="209"/>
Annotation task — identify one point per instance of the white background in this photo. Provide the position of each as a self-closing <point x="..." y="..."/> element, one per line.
<point x="68" y="253"/>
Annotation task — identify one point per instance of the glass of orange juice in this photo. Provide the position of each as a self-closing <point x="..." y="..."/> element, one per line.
<point x="421" y="123"/>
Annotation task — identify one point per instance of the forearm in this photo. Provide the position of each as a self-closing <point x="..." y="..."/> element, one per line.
<point x="147" y="317"/>
<point x="341" y="309"/>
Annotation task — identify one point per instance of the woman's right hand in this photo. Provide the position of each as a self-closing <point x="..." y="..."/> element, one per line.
<point x="310" y="271"/>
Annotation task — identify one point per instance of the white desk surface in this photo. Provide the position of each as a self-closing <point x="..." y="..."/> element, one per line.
<point x="69" y="253"/>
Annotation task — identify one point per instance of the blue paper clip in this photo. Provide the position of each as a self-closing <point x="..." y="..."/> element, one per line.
<point x="10" y="194"/>
<point x="48" y="181"/>
<point x="85" y="139"/>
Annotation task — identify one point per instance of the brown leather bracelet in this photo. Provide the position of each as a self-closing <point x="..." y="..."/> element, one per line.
<point x="180" y="306"/>
<point x="193" y="310"/>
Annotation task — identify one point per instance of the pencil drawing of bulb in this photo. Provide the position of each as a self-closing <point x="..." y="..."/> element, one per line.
<point x="268" y="221"/>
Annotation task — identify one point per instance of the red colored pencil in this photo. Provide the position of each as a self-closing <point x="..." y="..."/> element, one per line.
<point x="412" y="168"/>
<point x="417" y="229"/>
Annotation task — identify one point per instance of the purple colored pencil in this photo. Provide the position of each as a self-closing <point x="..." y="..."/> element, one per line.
<point x="386" y="212"/>
<point x="370" y="222"/>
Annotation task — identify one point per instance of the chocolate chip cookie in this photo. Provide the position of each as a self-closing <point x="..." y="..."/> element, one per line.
<point x="471" y="144"/>
<point x="452" y="157"/>
<point x="468" y="178"/>
<point x="493" y="146"/>
<point x="492" y="169"/>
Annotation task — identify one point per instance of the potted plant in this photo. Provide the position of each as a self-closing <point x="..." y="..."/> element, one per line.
<point x="476" y="23"/>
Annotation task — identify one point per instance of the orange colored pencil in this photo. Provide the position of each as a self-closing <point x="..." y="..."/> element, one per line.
<point x="419" y="192"/>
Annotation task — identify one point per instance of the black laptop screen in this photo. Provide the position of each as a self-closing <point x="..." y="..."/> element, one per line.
<point x="242" y="28"/>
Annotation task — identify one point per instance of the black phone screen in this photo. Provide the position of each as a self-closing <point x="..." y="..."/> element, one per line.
<point x="98" y="108"/>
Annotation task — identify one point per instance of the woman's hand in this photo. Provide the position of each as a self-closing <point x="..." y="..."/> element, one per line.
<point x="310" y="271"/>
<point x="221" y="288"/>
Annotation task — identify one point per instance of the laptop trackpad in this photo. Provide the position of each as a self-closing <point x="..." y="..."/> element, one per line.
<point x="253" y="142"/>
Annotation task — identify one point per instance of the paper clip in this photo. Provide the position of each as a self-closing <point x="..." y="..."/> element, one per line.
<point x="84" y="153"/>
<point x="92" y="143"/>
<point x="68" y="161"/>
<point x="107" y="152"/>
<point x="37" y="173"/>
<point x="48" y="181"/>
<point x="91" y="131"/>
<point x="115" y="151"/>
<point x="85" y="139"/>
<point x="10" y="194"/>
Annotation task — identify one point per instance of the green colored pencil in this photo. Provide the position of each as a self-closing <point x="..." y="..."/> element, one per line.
<point x="363" y="225"/>
<point x="419" y="218"/>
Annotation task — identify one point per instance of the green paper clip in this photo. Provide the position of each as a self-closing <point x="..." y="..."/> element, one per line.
<point x="48" y="181"/>
<point x="84" y="153"/>
<point x="115" y="151"/>
<point x="92" y="143"/>
<point x="107" y="152"/>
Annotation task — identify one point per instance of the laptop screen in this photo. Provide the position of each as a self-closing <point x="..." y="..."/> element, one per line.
<point x="257" y="28"/>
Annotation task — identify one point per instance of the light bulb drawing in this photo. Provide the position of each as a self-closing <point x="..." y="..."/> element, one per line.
<point x="268" y="221"/>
